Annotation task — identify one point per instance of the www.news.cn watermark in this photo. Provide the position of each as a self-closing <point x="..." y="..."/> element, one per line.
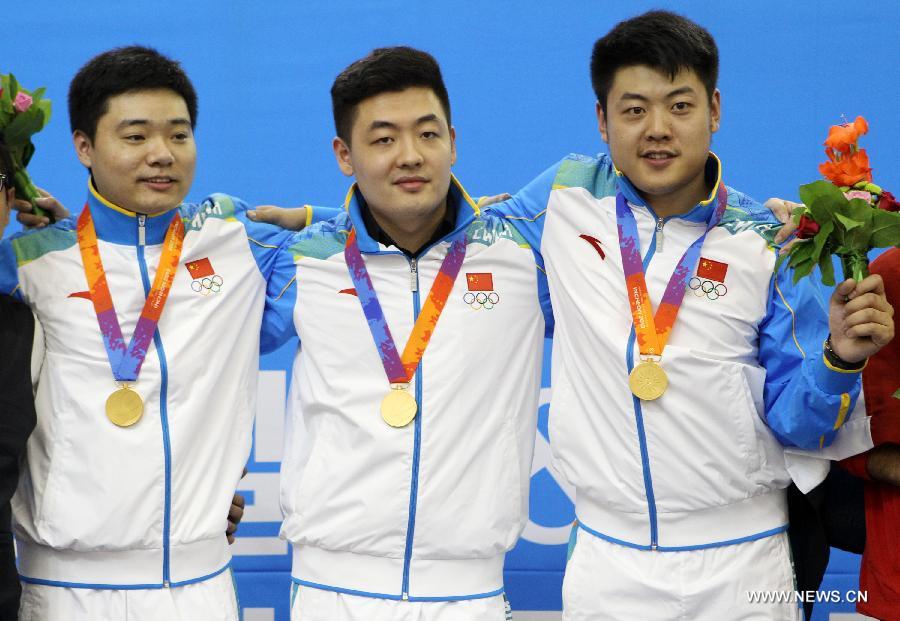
<point x="833" y="596"/>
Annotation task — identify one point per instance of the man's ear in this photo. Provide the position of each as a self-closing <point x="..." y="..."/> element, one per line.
<point x="601" y="123"/>
<point x="342" y="155"/>
<point x="715" y="111"/>
<point x="83" y="147"/>
<point x="452" y="145"/>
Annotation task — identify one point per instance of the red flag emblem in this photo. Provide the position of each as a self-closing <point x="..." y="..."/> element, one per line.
<point x="712" y="270"/>
<point x="200" y="268"/>
<point x="480" y="281"/>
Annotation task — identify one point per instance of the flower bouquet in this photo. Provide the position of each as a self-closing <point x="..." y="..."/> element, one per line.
<point x="22" y="114"/>
<point x="847" y="214"/>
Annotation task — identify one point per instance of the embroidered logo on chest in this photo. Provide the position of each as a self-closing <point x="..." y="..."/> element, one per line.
<point x="206" y="281"/>
<point x="709" y="281"/>
<point x="480" y="291"/>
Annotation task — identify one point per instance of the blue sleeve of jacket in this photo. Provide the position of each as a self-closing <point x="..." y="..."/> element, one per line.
<point x="806" y="399"/>
<point x="268" y="244"/>
<point x="320" y="214"/>
<point x="526" y="210"/>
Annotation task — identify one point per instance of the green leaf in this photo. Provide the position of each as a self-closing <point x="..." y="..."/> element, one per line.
<point x="45" y="108"/>
<point x="897" y="394"/>
<point x="885" y="229"/>
<point x="38" y="93"/>
<point x="802" y="270"/>
<point x="826" y="266"/>
<point x="848" y="223"/>
<point x="13" y="86"/>
<point x="820" y="240"/>
<point x="23" y="127"/>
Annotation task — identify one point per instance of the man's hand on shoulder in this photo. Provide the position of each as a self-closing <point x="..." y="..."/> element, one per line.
<point x="293" y="219"/>
<point x="48" y="203"/>
<point x="860" y="318"/>
<point x="783" y="210"/>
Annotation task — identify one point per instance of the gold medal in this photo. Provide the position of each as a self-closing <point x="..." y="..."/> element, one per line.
<point x="648" y="380"/>
<point x="398" y="408"/>
<point x="124" y="407"/>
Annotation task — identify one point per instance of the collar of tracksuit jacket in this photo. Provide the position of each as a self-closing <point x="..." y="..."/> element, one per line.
<point x="461" y="211"/>
<point x="120" y="226"/>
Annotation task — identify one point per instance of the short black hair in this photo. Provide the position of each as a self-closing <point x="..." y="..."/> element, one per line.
<point x="386" y="69"/>
<point x="6" y="164"/>
<point x="123" y="70"/>
<point x="661" y="40"/>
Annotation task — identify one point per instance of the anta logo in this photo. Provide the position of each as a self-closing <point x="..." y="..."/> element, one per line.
<point x="480" y="292"/>
<point x="205" y="280"/>
<point x="595" y="243"/>
<point x="710" y="279"/>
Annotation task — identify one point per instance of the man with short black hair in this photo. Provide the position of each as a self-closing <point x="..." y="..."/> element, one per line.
<point x="406" y="476"/>
<point x="679" y="367"/>
<point x="147" y="393"/>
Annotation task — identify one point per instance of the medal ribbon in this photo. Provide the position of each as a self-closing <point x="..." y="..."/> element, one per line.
<point x="400" y="370"/>
<point x="126" y="362"/>
<point x="652" y="331"/>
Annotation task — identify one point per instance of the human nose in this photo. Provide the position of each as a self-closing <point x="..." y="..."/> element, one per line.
<point x="658" y="127"/>
<point x="410" y="155"/>
<point x="159" y="153"/>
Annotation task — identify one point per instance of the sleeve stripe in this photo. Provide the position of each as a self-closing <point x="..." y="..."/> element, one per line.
<point x="793" y="317"/>
<point x="309" y="214"/>
<point x="842" y="413"/>
<point x="286" y="287"/>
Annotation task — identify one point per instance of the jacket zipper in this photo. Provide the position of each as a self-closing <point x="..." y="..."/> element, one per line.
<point x="655" y="246"/>
<point x="414" y="484"/>
<point x="163" y="410"/>
<point x="659" y="235"/>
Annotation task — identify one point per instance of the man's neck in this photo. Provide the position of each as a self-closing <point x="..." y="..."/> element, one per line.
<point x="683" y="200"/>
<point x="409" y="234"/>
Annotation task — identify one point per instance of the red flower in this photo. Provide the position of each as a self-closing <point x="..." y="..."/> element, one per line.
<point x="848" y="169"/>
<point x="888" y="202"/>
<point x="807" y="227"/>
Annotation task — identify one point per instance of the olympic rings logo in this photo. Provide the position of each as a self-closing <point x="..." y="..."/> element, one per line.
<point x="712" y="290"/>
<point x="481" y="299"/>
<point x="207" y="285"/>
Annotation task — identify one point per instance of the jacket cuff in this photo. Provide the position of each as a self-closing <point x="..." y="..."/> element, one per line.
<point x="829" y="379"/>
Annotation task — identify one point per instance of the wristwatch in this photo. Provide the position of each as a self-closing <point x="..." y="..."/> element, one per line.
<point x="839" y="363"/>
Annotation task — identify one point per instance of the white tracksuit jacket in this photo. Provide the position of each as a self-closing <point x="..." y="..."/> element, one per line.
<point x="703" y="465"/>
<point x="427" y="511"/>
<point x="108" y="507"/>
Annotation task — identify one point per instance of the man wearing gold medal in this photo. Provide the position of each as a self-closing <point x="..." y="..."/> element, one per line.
<point x="421" y="317"/>
<point x="683" y="362"/>
<point x="142" y="434"/>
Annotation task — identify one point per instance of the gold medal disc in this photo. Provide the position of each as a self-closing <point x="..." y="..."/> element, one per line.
<point x="124" y="407"/>
<point x="398" y="408"/>
<point x="648" y="381"/>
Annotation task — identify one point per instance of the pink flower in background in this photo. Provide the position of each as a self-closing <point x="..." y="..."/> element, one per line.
<point x="22" y="102"/>
<point x="858" y="194"/>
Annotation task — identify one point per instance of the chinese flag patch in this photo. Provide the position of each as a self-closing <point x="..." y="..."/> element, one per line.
<point x="480" y="281"/>
<point x="712" y="270"/>
<point x="200" y="268"/>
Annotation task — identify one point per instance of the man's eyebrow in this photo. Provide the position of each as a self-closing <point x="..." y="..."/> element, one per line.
<point x="428" y="118"/>
<point x="684" y="90"/>
<point x="382" y="125"/>
<point x="143" y="122"/>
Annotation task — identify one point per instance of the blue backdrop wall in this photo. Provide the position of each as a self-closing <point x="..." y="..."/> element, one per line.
<point x="518" y="79"/>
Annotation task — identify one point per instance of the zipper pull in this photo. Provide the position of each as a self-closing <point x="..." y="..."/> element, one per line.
<point x="659" y="235"/>
<point x="142" y="234"/>
<point x="413" y="276"/>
